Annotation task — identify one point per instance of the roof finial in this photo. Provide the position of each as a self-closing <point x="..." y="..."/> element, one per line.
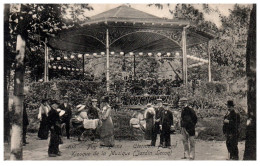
<point x="127" y="4"/>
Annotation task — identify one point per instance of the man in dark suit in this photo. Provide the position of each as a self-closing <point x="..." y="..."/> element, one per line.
<point x="65" y="118"/>
<point x="166" y="123"/>
<point x="156" y="128"/>
<point x="231" y="130"/>
<point x="188" y="122"/>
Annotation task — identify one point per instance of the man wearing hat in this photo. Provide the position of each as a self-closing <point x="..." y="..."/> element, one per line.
<point x="156" y="129"/>
<point x="67" y="115"/>
<point x="188" y="122"/>
<point x="231" y="130"/>
<point x="166" y="123"/>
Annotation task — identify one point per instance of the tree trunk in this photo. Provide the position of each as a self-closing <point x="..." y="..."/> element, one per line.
<point x="250" y="145"/>
<point x="17" y="125"/>
<point x="7" y="66"/>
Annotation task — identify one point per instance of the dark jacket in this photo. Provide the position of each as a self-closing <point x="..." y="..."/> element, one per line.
<point x="53" y="120"/>
<point x="93" y="113"/>
<point x="68" y="114"/>
<point x="234" y="121"/>
<point x="188" y="120"/>
<point x="25" y="116"/>
<point x="158" y="112"/>
<point x="166" y="119"/>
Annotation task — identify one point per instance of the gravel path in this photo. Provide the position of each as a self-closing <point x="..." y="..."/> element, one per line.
<point x="123" y="150"/>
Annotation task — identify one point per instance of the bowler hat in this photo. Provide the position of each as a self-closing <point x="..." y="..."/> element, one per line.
<point x="105" y="99"/>
<point x="230" y="103"/>
<point x="45" y="100"/>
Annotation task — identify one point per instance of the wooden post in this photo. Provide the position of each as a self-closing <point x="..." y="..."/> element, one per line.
<point x="209" y="63"/>
<point x="107" y="51"/>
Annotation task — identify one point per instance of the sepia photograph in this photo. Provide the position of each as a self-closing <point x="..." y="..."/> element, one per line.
<point x="129" y="81"/>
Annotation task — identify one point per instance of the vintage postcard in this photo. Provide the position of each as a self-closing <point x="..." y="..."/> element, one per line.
<point x="129" y="81"/>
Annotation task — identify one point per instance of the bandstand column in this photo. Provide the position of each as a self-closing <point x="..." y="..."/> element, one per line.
<point x="46" y="61"/>
<point x="107" y="52"/>
<point x="184" y="60"/>
<point x="209" y="63"/>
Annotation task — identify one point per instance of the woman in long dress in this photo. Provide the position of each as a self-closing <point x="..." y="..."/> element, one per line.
<point x="42" y="116"/>
<point x="107" y="127"/>
<point x="149" y="116"/>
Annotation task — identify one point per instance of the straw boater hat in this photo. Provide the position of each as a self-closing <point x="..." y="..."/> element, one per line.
<point x="159" y="100"/>
<point x="149" y="105"/>
<point x="94" y="100"/>
<point x="165" y="104"/>
<point x="80" y="107"/>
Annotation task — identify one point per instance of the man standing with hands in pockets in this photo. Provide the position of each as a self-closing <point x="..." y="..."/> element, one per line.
<point x="188" y="122"/>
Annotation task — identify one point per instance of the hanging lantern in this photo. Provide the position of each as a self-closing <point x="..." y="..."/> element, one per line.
<point x="72" y="56"/>
<point x="64" y="68"/>
<point x="51" y="58"/>
<point x="86" y="54"/>
<point x="58" y="58"/>
<point x="80" y="56"/>
<point x="65" y="57"/>
<point x="77" y="69"/>
<point x="50" y="66"/>
<point x="177" y="54"/>
<point x="59" y="67"/>
<point x="112" y="53"/>
<point x="168" y="54"/>
<point x="159" y="54"/>
<point x="121" y="53"/>
<point x="150" y="54"/>
<point x="140" y="53"/>
<point x="54" y="67"/>
<point x="94" y="54"/>
<point x="131" y="53"/>
<point x="72" y="69"/>
<point x="102" y="53"/>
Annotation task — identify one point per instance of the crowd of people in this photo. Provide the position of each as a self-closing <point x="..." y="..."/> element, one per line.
<point x="53" y="116"/>
<point x="159" y="119"/>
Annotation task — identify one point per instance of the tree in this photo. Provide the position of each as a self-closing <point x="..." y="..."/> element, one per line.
<point x="29" y="24"/>
<point x="250" y="146"/>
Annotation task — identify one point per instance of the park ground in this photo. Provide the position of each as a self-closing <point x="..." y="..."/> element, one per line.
<point x="124" y="150"/>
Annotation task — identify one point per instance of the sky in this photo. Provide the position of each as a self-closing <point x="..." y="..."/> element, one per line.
<point x="223" y="8"/>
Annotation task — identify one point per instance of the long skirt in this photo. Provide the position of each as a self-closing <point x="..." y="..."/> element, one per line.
<point x="149" y="129"/>
<point x="107" y="133"/>
<point x="54" y="142"/>
<point x="44" y="129"/>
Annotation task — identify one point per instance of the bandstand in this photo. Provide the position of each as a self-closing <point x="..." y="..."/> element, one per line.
<point x="127" y="31"/>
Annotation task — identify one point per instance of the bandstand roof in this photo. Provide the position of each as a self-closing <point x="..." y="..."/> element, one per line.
<point x="129" y="30"/>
